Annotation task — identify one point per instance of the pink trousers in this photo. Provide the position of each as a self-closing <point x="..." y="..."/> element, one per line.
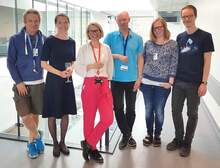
<point x="96" y="97"/>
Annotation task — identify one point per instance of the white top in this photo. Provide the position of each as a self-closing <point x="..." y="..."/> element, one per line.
<point x="36" y="82"/>
<point x="85" y="57"/>
<point x="151" y="82"/>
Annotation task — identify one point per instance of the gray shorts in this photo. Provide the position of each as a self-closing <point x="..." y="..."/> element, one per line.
<point x="32" y="103"/>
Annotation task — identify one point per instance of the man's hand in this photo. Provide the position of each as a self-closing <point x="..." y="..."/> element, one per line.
<point x="123" y="58"/>
<point x="137" y="84"/>
<point x="202" y="89"/>
<point x="22" y="90"/>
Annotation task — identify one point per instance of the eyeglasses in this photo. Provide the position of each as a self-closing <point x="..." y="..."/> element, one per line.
<point x="157" y="28"/>
<point x="94" y="31"/>
<point x="187" y="17"/>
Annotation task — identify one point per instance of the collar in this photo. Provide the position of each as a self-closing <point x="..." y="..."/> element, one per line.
<point x="130" y="33"/>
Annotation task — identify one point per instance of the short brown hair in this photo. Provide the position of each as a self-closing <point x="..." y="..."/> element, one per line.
<point x="61" y="15"/>
<point x="190" y="7"/>
<point x="30" y="11"/>
<point x="96" y="25"/>
<point x="166" y="31"/>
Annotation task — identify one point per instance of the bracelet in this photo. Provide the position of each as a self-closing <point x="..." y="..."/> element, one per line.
<point x="204" y="82"/>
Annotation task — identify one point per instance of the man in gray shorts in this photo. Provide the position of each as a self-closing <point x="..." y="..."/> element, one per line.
<point x="23" y="63"/>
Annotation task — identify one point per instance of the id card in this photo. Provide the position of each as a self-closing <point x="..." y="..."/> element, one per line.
<point x="35" y="52"/>
<point x="155" y="56"/>
<point x="123" y="67"/>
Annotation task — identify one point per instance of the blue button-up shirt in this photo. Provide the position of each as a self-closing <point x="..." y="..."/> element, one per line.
<point x="132" y="50"/>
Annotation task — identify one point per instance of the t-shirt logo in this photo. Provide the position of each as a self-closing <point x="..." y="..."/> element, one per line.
<point x="190" y="46"/>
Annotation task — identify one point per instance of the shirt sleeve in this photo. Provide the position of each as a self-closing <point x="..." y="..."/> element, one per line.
<point x="140" y="46"/>
<point x="110" y="65"/>
<point x="174" y="60"/>
<point x="11" y="61"/>
<point x="46" y="51"/>
<point x="80" y="64"/>
<point x="208" y="44"/>
<point x="107" y="40"/>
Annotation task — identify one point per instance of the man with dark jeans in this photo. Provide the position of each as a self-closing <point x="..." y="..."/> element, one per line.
<point x="127" y="48"/>
<point x="195" y="50"/>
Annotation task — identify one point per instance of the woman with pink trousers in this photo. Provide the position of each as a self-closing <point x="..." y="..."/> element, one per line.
<point x="95" y="64"/>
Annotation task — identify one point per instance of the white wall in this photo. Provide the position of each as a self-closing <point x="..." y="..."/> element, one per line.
<point x="208" y="16"/>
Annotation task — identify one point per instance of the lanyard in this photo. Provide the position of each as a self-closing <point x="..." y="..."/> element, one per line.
<point x="29" y="41"/>
<point x="125" y="42"/>
<point x="33" y="50"/>
<point x="99" y="56"/>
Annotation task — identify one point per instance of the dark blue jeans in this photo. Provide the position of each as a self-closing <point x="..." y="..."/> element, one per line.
<point x="155" y="98"/>
<point x="185" y="91"/>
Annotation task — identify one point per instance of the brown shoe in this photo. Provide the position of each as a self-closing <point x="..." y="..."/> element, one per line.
<point x="148" y="140"/>
<point x="56" y="150"/>
<point x="64" y="149"/>
<point x="185" y="151"/>
<point x="157" y="141"/>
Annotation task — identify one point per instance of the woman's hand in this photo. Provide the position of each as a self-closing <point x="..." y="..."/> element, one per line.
<point x="166" y="85"/>
<point x="95" y="66"/>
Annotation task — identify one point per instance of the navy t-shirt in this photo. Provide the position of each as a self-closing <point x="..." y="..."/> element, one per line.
<point x="191" y="55"/>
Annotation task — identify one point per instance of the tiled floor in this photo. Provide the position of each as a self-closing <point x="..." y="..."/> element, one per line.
<point x="205" y="150"/>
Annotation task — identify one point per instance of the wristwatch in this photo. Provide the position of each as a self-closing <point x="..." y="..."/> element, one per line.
<point x="204" y="82"/>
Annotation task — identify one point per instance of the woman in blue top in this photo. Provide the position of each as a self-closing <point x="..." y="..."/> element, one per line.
<point x="58" y="56"/>
<point x="159" y="69"/>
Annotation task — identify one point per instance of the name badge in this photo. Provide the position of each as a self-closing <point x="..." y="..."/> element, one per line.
<point x="35" y="52"/>
<point x="155" y="56"/>
<point x="123" y="67"/>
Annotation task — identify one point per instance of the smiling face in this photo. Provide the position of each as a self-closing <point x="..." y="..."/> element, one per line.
<point x="158" y="29"/>
<point x="94" y="33"/>
<point x="32" y="23"/>
<point x="188" y="18"/>
<point x="62" y="24"/>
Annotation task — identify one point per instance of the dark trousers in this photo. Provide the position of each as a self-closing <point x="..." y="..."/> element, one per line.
<point x="125" y="120"/>
<point x="182" y="91"/>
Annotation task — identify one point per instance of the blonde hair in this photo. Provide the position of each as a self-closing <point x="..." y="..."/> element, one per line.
<point x="166" y="31"/>
<point x="96" y="25"/>
<point x="30" y="11"/>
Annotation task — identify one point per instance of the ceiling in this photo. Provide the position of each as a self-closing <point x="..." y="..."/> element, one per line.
<point x="135" y="7"/>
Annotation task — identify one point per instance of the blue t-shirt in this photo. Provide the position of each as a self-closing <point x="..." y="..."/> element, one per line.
<point x="132" y="50"/>
<point x="191" y="55"/>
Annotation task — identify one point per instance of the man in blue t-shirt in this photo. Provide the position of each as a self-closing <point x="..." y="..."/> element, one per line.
<point x="127" y="49"/>
<point x="195" y="50"/>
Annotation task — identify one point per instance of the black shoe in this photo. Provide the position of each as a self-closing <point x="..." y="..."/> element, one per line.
<point x="96" y="156"/>
<point x="157" y="141"/>
<point x="174" y="145"/>
<point x="123" y="143"/>
<point x="86" y="149"/>
<point x="64" y="149"/>
<point x="56" y="150"/>
<point x="185" y="151"/>
<point x="132" y="143"/>
<point x="148" y="140"/>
